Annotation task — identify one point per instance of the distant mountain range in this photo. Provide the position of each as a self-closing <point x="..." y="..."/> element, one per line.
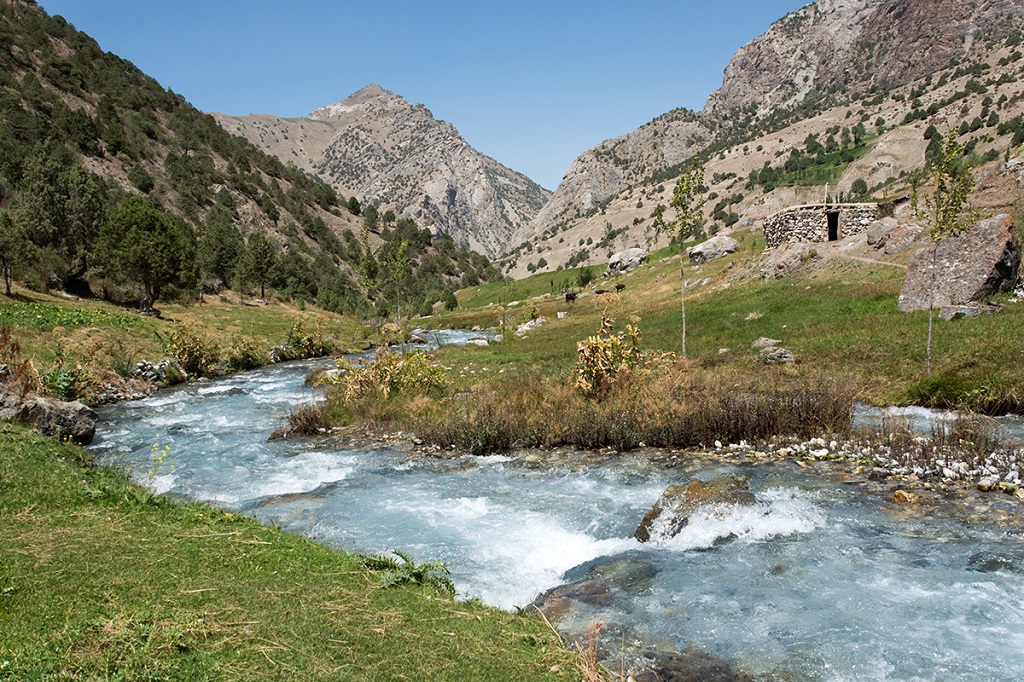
<point x="85" y="134"/>
<point x="379" y="148"/>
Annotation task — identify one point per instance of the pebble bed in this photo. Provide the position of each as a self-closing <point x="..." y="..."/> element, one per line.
<point x="918" y="462"/>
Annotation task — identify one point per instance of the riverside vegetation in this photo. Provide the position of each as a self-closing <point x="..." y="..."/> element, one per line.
<point x="102" y="579"/>
<point x="621" y="389"/>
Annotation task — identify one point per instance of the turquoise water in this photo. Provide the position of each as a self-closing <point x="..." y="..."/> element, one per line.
<point x="817" y="581"/>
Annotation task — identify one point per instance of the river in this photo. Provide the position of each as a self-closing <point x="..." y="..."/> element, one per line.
<point x="819" y="580"/>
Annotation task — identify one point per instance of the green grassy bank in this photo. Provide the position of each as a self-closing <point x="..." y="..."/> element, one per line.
<point x="101" y="580"/>
<point x="839" y="318"/>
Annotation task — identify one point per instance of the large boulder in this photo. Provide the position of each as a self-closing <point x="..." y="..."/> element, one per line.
<point x="68" y="421"/>
<point x="982" y="261"/>
<point x="627" y="260"/>
<point x="903" y="237"/>
<point x="671" y="513"/>
<point x="691" y="665"/>
<point x="605" y="582"/>
<point x="880" y="230"/>
<point x="713" y="249"/>
<point x="527" y="327"/>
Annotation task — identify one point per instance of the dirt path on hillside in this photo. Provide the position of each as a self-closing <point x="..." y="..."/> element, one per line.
<point x="864" y="259"/>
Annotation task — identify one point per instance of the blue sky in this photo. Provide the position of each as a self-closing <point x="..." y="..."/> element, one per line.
<point x="530" y="83"/>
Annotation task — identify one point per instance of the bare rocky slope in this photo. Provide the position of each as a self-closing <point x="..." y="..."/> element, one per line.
<point x="847" y="45"/>
<point x="829" y="56"/>
<point x="381" y="149"/>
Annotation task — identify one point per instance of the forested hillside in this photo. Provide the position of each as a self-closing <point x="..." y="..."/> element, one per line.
<point x="112" y="186"/>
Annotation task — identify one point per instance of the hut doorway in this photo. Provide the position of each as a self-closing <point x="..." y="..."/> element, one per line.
<point x="833" y="225"/>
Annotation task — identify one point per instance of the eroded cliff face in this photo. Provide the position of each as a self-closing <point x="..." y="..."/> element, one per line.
<point x="378" y="147"/>
<point x="854" y="45"/>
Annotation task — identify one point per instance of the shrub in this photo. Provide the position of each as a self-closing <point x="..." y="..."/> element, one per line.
<point x="603" y="355"/>
<point x="391" y="373"/>
<point x="18" y="372"/>
<point x="65" y="383"/>
<point x="141" y="178"/>
<point x="196" y="354"/>
<point x="310" y="344"/>
<point x="585" y="275"/>
<point x="308" y="419"/>
<point x="245" y="354"/>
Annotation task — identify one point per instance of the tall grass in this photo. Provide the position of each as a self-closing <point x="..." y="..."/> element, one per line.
<point x="677" y="408"/>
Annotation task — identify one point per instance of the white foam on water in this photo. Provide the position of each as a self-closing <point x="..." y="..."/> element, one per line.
<point x="216" y="390"/>
<point x="486" y="460"/>
<point x="779" y="512"/>
<point x="503" y="555"/>
<point x="299" y="474"/>
<point x="162" y="483"/>
<point x="529" y="555"/>
<point x="442" y="512"/>
<point x="163" y="399"/>
<point x="164" y="420"/>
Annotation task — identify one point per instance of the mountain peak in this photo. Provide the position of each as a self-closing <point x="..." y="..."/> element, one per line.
<point x="371" y="91"/>
<point x="370" y="95"/>
<point x="376" y="146"/>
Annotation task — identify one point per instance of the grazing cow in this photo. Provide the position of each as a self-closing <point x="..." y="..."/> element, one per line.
<point x="570" y="296"/>
<point x="620" y="287"/>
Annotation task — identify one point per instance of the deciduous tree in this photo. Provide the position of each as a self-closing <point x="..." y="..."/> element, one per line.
<point x="944" y="209"/>
<point x="688" y="200"/>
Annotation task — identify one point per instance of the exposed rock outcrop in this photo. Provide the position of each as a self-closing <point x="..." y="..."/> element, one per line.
<point x="903" y="237"/>
<point x="717" y="247"/>
<point x="878" y="232"/>
<point x="602" y="172"/>
<point x="846" y="44"/>
<point x="981" y="261"/>
<point x="828" y="46"/>
<point x="627" y="260"/>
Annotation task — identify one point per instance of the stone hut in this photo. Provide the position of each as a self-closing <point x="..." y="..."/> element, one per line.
<point x="818" y="223"/>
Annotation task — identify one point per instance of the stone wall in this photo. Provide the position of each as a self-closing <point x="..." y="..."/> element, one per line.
<point x="810" y="223"/>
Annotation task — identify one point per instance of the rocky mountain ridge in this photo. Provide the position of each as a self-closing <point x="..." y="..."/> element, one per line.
<point x="823" y="68"/>
<point x="376" y="146"/>
<point x="850" y="45"/>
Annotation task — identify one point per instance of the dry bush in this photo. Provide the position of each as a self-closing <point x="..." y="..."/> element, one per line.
<point x="21" y="375"/>
<point x="674" y="408"/>
<point x="308" y="419"/>
<point x="391" y="373"/>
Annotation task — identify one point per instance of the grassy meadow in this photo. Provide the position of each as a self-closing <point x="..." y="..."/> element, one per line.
<point x="839" y="319"/>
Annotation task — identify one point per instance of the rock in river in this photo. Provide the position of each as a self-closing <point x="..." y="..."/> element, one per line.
<point x="673" y="509"/>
